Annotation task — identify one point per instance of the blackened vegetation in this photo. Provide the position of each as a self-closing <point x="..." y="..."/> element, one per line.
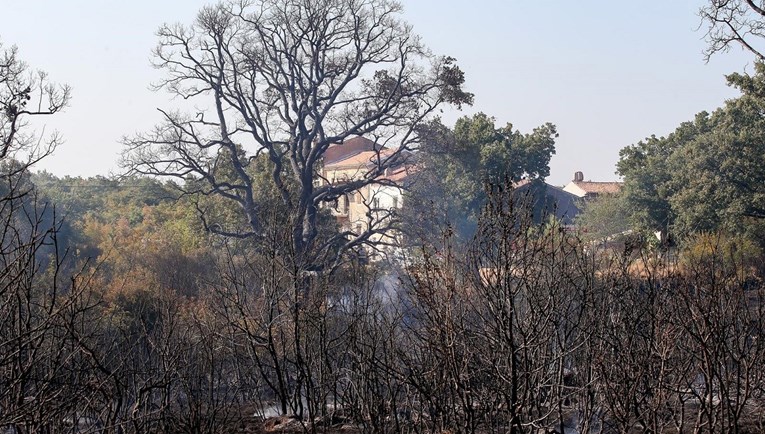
<point x="526" y="329"/>
<point x="265" y="323"/>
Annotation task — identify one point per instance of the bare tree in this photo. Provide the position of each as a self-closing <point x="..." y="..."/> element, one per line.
<point x="289" y="78"/>
<point x="497" y="330"/>
<point x="35" y="301"/>
<point x="283" y="81"/>
<point x="721" y="317"/>
<point x="734" y="23"/>
<point x="24" y="94"/>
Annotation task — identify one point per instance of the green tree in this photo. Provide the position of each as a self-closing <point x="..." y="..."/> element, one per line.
<point x="707" y="175"/>
<point x="720" y="175"/>
<point x="648" y="175"/>
<point x="457" y="162"/>
<point x="603" y="217"/>
<point x="78" y="200"/>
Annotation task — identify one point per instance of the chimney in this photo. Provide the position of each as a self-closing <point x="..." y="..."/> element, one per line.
<point x="578" y="176"/>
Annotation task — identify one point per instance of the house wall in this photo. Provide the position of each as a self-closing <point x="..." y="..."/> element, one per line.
<point x="371" y="204"/>
<point x="388" y="197"/>
<point x="350" y="209"/>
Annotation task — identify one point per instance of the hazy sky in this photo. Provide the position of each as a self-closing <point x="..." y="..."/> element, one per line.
<point x="607" y="73"/>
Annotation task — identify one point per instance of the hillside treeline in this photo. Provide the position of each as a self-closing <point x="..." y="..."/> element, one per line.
<point x="120" y="314"/>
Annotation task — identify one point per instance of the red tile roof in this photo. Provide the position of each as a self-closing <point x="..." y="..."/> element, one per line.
<point x="398" y="174"/>
<point x="363" y="154"/>
<point x="360" y="160"/>
<point x="599" y="187"/>
<point x="348" y="148"/>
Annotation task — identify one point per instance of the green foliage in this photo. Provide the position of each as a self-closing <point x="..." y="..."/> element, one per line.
<point x="603" y="217"/>
<point x="76" y="197"/>
<point x="482" y="148"/>
<point x="648" y="172"/>
<point x="722" y="252"/>
<point x="457" y="162"/>
<point x="721" y="175"/>
<point x="79" y="201"/>
<point x="709" y="174"/>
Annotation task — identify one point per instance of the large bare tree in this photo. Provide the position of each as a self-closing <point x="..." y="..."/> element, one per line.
<point x="287" y="79"/>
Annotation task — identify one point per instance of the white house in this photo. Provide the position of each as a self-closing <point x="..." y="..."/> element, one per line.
<point x="372" y="206"/>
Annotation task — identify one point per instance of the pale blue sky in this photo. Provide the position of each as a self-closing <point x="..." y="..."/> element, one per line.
<point x="607" y="73"/>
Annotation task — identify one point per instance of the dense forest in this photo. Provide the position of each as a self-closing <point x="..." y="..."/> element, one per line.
<point x="211" y="287"/>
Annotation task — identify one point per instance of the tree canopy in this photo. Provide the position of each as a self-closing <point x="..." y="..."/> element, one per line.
<point x="709" y="174"/>
<point x="458" y="161"/>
